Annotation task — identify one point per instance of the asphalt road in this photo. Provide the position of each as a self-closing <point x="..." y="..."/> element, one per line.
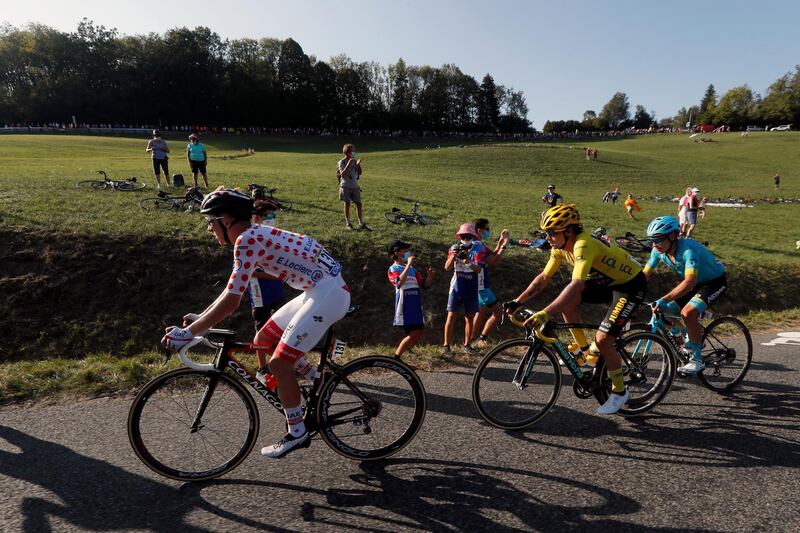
<point x="701" y="461"/>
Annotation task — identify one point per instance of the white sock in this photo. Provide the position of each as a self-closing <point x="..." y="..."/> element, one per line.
<point x="294" y="418"/>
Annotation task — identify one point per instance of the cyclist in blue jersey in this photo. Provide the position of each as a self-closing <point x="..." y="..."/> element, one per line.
<point x="463" y="258"/>
<point x="407" y="282"/>
<point x="703" y="281"/>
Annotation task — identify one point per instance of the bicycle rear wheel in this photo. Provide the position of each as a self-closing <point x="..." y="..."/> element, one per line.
<point x="91" y="185"/>
<point x="161" y="417"/>
<point x="425" y="220"/>
<point x="394" y="217"/>
<point x="153" y="204"/>
<point x="727" y="352"/>
<point x="631" y="244"/>
<point x="283" y="205"/>
<point x="648" y="361"/>
<point x="127" y="186"/>
<point x="513" y="387"/>
<point x="372" y="409"/>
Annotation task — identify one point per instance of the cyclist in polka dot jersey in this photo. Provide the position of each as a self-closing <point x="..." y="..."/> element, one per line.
<point x="303" y="264"/>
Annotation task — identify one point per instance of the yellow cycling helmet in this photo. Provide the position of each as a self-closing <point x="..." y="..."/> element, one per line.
<point x="559" y="217"/>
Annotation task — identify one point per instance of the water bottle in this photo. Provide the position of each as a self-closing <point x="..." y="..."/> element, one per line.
<point x="266" y="378"/>
<point x="576" y="353"/>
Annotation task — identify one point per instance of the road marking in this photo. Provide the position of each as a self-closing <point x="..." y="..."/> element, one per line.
<point x="791" y="338"/>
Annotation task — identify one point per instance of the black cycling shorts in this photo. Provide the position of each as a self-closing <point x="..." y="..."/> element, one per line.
<point x="625" y="299"/>
<point x="708" y="292"/>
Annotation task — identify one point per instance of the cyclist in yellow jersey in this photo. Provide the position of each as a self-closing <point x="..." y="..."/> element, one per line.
<point x="602" y="272"/>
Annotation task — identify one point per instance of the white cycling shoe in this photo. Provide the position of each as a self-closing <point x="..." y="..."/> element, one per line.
<point x="692" y="367"/>
<point x="287" y="444"/>
<point x="614" y="403"/>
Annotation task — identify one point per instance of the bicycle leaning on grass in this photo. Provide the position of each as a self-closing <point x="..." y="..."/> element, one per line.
<point x="262" y="192"/>
<point x="727" y="347"/>
<point x="106" y="184"/>
<point x="395" y="216"/>
<point x="163" y="201"/>
<point x="519" y="380"/>
<point x="199" y="422"/>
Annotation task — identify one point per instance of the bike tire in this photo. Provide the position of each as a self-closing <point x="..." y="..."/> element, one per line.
<point x="726" y="366"/>
<point x="630" y="244"/>
<point x="425" y="220"/>
<point x="161" y="415"/>
<point x="129" y="186"/>
<point x="389" y="385"/>
<point x="91" y="185"/>
<point x="157" y="204"/>
<point x="648" y="371"/>
<point x="394" y="217"/>
<point x="283" y="205"/>
<point x="498" y="399"/>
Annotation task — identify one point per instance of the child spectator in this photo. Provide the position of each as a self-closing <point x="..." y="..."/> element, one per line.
<point x="701" y="208"/>
<point x="552" y="198"/>
<point x="463" y="259"/>
<point x="632" y="205"/>
<point x="407" y="282"/>
<point x="489" y="306"/>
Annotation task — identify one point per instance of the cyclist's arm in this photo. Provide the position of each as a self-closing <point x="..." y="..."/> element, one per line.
<point x="221" y="309"/>
<point x="689" y="277"/>
<point x="536" y="286"/>
<point x="570" y="294"/>
<point x="651" y="264"/>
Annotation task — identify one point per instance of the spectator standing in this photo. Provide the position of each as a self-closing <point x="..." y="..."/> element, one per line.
<point x="407" y="282"/>
<point x="701" y="208"/>
<point x="776" y="179"/>
<point x="158" y="152"/>
<point x="594" y="154"/>
<point x="349" y="171"/>
<point x="632" y="205"/>
<point x="683" y="205"/>
<point x="691" y="211"/>
<point x="489" y="306"/>
<point x="615" y="195"/>
<point x="198" y="157"/>
<point x="463" y="258"/>
<point x="552" y="198"/>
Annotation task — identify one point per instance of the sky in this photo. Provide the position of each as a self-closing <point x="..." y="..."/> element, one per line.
<point x="566" y="56"/>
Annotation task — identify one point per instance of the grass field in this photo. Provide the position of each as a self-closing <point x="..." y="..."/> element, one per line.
<point x="90" y="272"/>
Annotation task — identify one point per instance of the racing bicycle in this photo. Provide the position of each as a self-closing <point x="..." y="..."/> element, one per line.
<point x="106" y="184"/>
<point x="727" y="347"/>
<point x="519" y="380"/>
<point x="189" y="202"/>
<point x="631" y="243"/>
<point x="395" y="216"/>
<point x="199" y="422"/>
<point x="262" y="192"/>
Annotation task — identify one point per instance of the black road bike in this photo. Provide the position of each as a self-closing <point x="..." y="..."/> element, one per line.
<point x="199" y="422"/>
<point x="519" y="380"/>
<point x="106" y="184"/>
<point x="163" y="201"/>
<point x="395" y="216"/>
<point x="262" y="192"/>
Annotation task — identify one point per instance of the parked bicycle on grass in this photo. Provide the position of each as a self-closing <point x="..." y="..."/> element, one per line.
<point x="199" y="422"/>
<point x="395" y="216"/>
<point x="106" y="184"/>
<point x="262" y="192"/>
<point x="187" y="203"/>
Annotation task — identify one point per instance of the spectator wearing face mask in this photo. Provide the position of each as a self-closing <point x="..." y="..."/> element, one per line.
<point x="408" y="283"/>
<point x="463" y="259"/>
<point x="489" y="306"/>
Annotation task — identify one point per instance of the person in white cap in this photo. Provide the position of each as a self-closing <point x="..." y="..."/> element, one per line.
<point x="691" y="211"/>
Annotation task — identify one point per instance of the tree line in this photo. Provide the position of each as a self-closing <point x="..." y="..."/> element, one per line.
<point x="738" y="108"/>
<point x="193" y="76"/>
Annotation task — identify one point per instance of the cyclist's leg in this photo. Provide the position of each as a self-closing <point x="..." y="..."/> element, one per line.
<point x="591" y="294"/>
<point x="270" y="334"/>
<point x="691" y="312"/>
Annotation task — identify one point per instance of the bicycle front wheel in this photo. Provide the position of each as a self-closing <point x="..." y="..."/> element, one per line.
<point x="394" y="217"/>
<point x="372" y="409"/>
<point x="127" y="186"/>
<point x="648" y="362"/>
<point x="514" y="386"/>
<point x="727" y="352"/>
<point x="630" y="244"/>
<point x="91" y="185"/>
<point x="153" y="204"/>
<point x="164" y="435"/>
<point x="283" y="205"/>
<point x="425" y="220"/>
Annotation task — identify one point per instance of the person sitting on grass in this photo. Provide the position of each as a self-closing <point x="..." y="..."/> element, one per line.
<point x="407" y="282"/>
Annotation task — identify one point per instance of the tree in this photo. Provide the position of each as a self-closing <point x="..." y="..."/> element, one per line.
<point x="642" y="119"/>
<point x="708" y="106"/>
<point x="736" y="107"/>
<point x="488" y="105"/>
<point x="294" y="80"/>
<point x="776" y="107"/>
<point x="616" y="111"/>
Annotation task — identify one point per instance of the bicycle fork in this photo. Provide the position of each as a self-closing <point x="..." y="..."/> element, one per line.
<point x="201" y="409"/>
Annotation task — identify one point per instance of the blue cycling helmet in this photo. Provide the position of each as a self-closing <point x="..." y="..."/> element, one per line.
<point x="662" y="226"/>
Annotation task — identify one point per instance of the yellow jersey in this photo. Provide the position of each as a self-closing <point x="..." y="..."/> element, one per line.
<point x="595" y="260"/>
